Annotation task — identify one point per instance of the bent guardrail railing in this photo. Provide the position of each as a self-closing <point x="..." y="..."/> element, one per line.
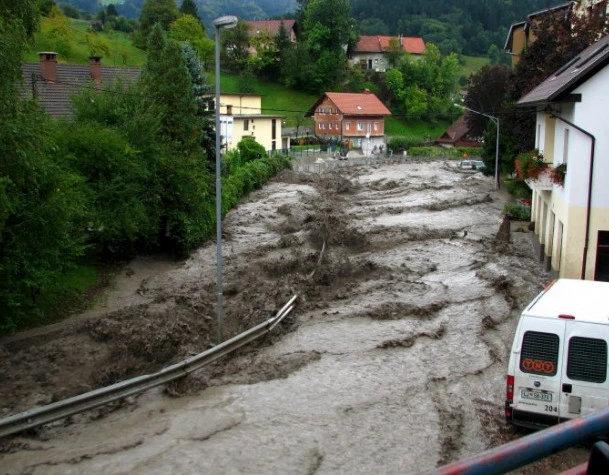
<point x="98" y="397"/>
<point x="532" y="447"/>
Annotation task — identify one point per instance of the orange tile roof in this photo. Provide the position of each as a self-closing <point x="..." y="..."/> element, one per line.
<point x="349" y="103"/>
<point x="378" y="44"/>
<point x="271" y="26"/>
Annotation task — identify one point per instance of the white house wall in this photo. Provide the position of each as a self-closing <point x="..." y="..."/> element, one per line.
<point x="566" y="206"/>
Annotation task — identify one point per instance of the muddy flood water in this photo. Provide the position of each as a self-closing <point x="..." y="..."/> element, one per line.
<point x="393" y="360"/>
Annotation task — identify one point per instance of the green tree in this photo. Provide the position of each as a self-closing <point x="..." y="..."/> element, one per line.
<point x="185" y="184"/>
<point x="168" y="90"/>
<point x="202" y="92"/>
<point x="23" y="11"/>
<point x="40" y="205"/>
<point x="395" y="52"/>
<point x="415" y="101"/>
<point x="333" y="16"/>
<point x="189" y="29"/>
<point x="235" y="47"/>
<point x="189" y="7"/>
<point x="97" y="45"/>
<point x="155" y="11"/>
<point x="57" y="32"/>
<point x="111" y="11"/>
<point x="118" y="192"/>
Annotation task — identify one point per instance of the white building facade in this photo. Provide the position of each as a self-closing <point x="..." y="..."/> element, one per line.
<point x="572" y="220"/>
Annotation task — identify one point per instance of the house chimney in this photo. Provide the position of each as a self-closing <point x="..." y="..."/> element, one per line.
<point x="95" y="68"/>
<point x="48" y="65"/>
<point x="229" y="110"/>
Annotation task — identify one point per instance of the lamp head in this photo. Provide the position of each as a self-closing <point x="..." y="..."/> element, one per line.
<point x="228" y="21"/>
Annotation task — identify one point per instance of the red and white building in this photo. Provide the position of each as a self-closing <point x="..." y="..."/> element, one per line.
<point x="356" y="118"/>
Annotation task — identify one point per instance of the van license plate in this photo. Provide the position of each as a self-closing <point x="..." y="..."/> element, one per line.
<point x="536" y="395"/>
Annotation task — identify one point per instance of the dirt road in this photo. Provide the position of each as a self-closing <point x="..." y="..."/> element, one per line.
<point x="392" y="362"/>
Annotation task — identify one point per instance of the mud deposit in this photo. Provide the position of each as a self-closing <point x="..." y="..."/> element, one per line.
<point x="393" y="360"/>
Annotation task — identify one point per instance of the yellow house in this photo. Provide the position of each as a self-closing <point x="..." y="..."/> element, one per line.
<point x="522" y="34"/>
<point x="241" y="116"/>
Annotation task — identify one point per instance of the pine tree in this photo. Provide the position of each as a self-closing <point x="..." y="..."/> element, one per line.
<point x="189" y="7"/>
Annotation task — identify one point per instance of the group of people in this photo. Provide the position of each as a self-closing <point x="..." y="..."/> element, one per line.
<point x="377" y="150"/>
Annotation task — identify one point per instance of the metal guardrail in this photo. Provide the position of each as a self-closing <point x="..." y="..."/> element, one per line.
<point x="533" y="447"/>
<point x="98" y="397"/>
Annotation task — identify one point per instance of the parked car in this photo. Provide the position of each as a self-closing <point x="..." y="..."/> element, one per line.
<point x="478" y="164"/>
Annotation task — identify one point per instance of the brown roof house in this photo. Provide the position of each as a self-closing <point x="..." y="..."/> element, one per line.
<point x="458" y="135"/>
<point x="53" y="84"/>
<point x="356" y="118"/>
<point x="371" y="52"/>
<point x="267" y="30"/>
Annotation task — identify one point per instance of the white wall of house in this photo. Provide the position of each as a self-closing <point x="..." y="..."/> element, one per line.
<point x="560" y="213"/>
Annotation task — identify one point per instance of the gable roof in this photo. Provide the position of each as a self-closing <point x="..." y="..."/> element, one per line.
<point x="56" y="96"/>
<point x="349" y="103"/>
<point x="270" y="26"/>
<point x="575" y="72"/>
<point x="457" y="130"/>
<point x="531" y="16"/>
<point x="380" y="44"/>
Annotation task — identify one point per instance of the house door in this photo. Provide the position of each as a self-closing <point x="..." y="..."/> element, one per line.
<point x="369" y="64"/>
<point x="601" y="272"/>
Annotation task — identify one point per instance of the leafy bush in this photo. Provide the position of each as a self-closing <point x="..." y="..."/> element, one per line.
<point x="517" y="211"/>
<point x="434" y="152"/>
<point x="250" y="176"/>
<point x="400" y="144"/>
<point x="470" y="151"/>
<point x="250" y="150"/>
<point x="518" y="188"/>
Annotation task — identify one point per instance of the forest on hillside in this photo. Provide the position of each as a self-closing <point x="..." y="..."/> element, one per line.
<point x="461" y="26"/>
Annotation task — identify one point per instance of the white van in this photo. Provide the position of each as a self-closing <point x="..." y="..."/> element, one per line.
<point x="558" y="363"/>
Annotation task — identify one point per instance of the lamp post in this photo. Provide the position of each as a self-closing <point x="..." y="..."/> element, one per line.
<point x="219" y="24"/>
<point x="495" y="120"/>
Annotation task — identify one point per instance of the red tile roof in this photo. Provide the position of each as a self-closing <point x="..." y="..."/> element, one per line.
<point x="379" y="44"/>
<point x="270" y="26"/>
<point x="348" y="103"/>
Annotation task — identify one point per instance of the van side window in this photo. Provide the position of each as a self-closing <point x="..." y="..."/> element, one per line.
<point x="539" y="353"/>
<point x="587" y="359"/>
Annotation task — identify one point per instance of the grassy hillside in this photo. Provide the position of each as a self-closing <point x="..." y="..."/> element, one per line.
<point x="472" y="65"/>
<point x="122" y="52"/>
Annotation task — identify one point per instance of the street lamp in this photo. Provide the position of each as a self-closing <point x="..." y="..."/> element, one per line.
<point x="495" y="120"/>
<point x="219" y="24"/>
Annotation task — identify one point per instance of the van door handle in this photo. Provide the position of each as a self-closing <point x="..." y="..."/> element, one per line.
<point x="567" y="388"/>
